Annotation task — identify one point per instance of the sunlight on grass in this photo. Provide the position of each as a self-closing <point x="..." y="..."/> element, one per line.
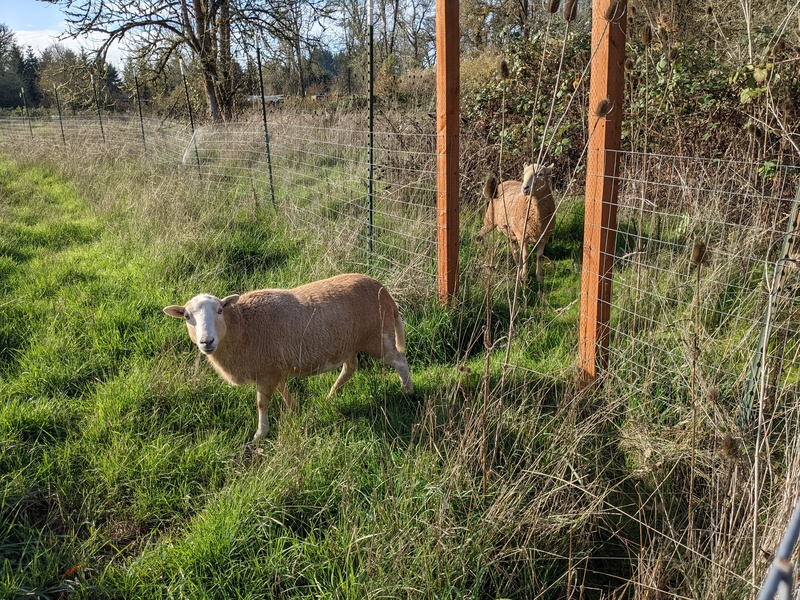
<point x="123" y="465"/>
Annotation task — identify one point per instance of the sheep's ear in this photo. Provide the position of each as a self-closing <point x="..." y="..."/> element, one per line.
<point x="175" y="311"/>
<point x="229" y="300"/>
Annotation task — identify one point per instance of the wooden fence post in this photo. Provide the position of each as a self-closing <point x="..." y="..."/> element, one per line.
<point x="447" y="123"/>
<point x="609" y="21"/>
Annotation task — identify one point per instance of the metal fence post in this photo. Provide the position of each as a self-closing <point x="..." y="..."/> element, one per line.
<point x="264" y="119"/>
<point x="191" y="115"/>
<point x="371" y="144"/>
<point x="25" y="107"/>
<point x="97" y="103"/>
<point x="60" y="119"/>
<point x="139" y="104"/>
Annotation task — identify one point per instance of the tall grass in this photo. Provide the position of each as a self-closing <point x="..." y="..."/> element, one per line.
<point x="123" y="471"/>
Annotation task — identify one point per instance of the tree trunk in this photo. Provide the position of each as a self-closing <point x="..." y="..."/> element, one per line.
<point x="300" y="72"/>
<point x="209" y="82"/>
<point x="205" y="46"/>
<point x="225" y="95"/>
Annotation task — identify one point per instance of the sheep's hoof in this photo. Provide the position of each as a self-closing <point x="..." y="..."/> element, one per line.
<point x="252" y="449"/>
<point x="255" y="442"/>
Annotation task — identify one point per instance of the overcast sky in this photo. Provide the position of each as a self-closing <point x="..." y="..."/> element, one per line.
<point x="38" y="24"/>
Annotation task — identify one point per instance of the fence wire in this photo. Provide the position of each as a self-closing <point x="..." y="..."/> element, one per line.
<point x="684" y="323"/>
<point x="320" y="177"/>
<point x="697" y="245"/>
<point x="670" y="317"/>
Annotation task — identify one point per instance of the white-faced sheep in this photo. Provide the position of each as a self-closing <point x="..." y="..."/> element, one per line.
<point x="265" y="336"/>
<point x="523" y="212"/>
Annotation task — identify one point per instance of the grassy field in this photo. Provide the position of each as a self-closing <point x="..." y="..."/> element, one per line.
<point x="123" y="466"/>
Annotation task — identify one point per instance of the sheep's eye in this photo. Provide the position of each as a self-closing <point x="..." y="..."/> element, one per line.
<point x="186" y="316"/>
<point x="219" y="312"/>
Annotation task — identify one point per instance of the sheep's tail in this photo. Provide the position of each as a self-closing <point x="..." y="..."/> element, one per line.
<point x="490" y="187"/>
<point x="399" y="334"/>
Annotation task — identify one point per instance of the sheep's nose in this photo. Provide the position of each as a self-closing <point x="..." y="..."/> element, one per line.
<point x="207" y="342"/>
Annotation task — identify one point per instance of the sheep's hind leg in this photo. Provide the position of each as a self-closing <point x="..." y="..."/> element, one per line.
<point x="348" y="368"/>
<point x="389" y="355"/>
<point x="398" y="361"/>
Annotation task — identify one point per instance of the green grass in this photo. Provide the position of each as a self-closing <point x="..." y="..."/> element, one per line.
<point x="123" y="466"/>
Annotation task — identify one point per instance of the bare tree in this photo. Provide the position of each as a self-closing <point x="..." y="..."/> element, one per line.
<point x="69" y="73"/>
<point x="353" y="24"/>
<point x="419" y="31"/>
<point x="157" y="29"/>
<point x="6" y="40"/>
<point x="388" y="13"/>
<point x="297" y="27"/>
<point x="210" y="29"/>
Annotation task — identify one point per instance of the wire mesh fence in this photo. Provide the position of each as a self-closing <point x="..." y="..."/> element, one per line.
<point x="697" y="248"/>
<point x="698" y="245"/>
<point x="319" y="184"/>
<point x="672" y="319"/>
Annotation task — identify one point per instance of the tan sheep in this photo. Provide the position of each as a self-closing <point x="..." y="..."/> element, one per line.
<point x="265" y="336"/>
<point x="523" y="212"/>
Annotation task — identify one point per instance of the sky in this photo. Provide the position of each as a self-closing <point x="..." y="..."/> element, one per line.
<point x="38" y="25"/>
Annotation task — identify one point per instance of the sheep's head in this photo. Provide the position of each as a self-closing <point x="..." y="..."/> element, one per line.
<point x="205" y="319"/>
<point x="536" y="179"/>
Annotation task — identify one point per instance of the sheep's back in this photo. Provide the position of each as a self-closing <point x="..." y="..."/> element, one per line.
<point x="499" y="208"/>
<point x="508" y="189"/>
<point x="315" y="327"/>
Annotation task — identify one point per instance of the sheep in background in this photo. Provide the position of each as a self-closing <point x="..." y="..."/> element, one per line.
<point x="500" y="198"/>
<point x="265" y="336"/>
<point x="523" y="212"/>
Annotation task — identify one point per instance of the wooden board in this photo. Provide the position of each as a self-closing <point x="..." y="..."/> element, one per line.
<point x="609" y="20"/>
<point x="447" y="124"/>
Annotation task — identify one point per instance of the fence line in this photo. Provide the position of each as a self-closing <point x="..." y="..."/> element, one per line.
<point x="674" y="321"/>
<point x="667" y="205"/>
<point x="739" y="211"/>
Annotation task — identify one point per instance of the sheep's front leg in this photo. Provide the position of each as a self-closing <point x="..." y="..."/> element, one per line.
<point x="289" y="401"/>
<point x="524" y="252"/>
<point x="539" y="255"/>
<point x="265" y="391"/>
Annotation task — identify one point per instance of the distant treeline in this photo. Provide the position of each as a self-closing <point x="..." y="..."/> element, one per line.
<point x="700" y="79"/>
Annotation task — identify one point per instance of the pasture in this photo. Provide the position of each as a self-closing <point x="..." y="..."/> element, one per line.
<point x="123" y="466"/>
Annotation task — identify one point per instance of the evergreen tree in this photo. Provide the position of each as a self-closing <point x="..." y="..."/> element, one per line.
<point x="10" y="81"/>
